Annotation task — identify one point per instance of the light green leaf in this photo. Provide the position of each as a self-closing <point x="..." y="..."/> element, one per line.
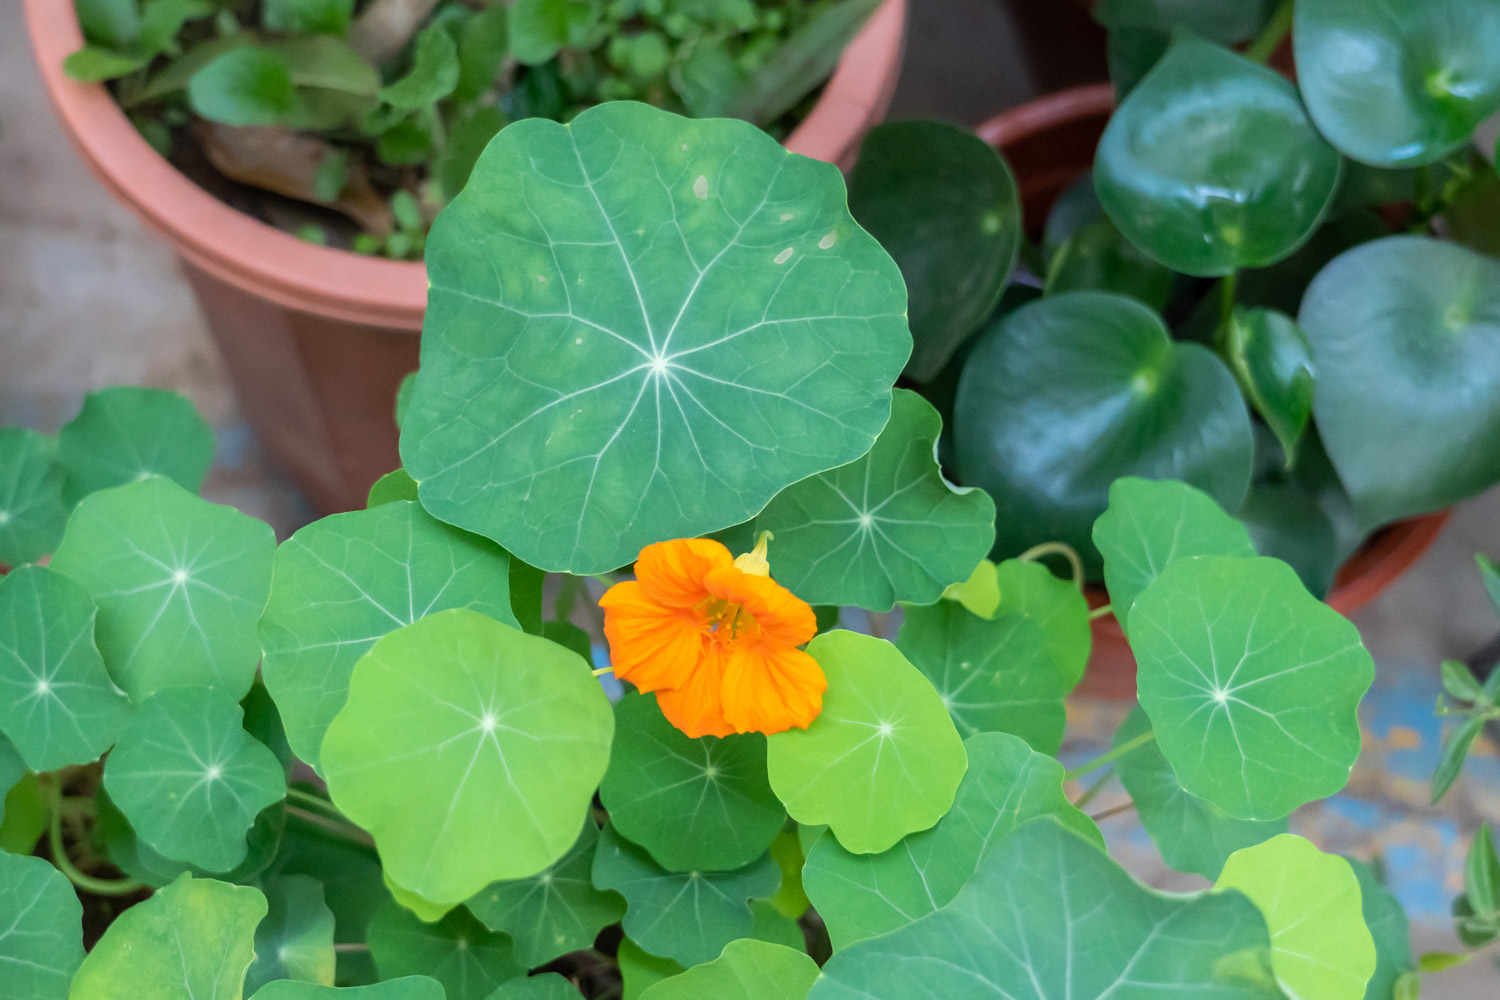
<point x="327" y="63"/>
<point x="31" y="508"/>
<point x="244" y="86"/>
<point x="639" y="969"/>
<point x="189" y="779"/>
<point x="575" y="411"/>
<point x="747" y="970"/>
<point x="433" y="73"/>
<point x="685" y="916"/>
<point x="125" y="433"/>
<point x="328" y="17"/>
<point x="980" y="593"/>
<point x="457" y="951"/>
<point x="1252" y="684"/>
<point x="41" y="939"/>
<point x="691" y="803"/>
<point x="1320" y="946"/>
<point x="295" y="940"/>
<point x="864" y="895"/>
<point x="192" y="940"/>
<point x="12" y="770"/>
<point x="992" y="674"/>
<point x="341" y="583"/>
<point x="885" y="528"/>
<point x="26" y="815"/>
<point x="1048" y="916"/>
<point x="1057" y="606"/>
<point x="57" y="703"/>
<point x="555" y="911"/>
<point x="470" y="751"/>
<point x="405" y="988"/>
<point x="179" y="582"/>
<point x="1386" y="919"/>
<point x="1193" y="835"/>
<point x="1455" y="751"/>
<point x="1149" y="524"/>
<point x="1272" y="359"/>
<point x="881" y="761"/>
<point x="547" y="986"/>
<point x="391" y="487"/>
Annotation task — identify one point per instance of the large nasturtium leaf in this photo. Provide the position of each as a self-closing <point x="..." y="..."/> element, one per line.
<point x="1064" y="396"/>
<point x="882" y="759"/>
<point x="1272" y="359"/>
<point x="126" y="432"/>
<point x="993" y="674"/>
<point x="343" y="582"/>
<point x="457" y="951"/>
<point x="1430" y="67"/>
<point x="685" y="916"/>
<point x="1320" y="946"/>
<point x="946" y="207"/>
<point x="643" y="327"/>
<point x="1211" y="163"/>
<point x="405" y="988"/>
<point x="1192" y="834"/>
<point x="747" y="970"/>
<point x="129" y="852"/>
<point x="1252" y="684"/>
<point x="1151" y="523"/>
<point x="41" y="937"/>
<point x="1421" y="319"/>
<point x="555" y="911"/>
<point x="31" y="508"/>
<point x="691" y="803"/>
<point x="57" y="703"/>
<point x="885" y="528"/>
<point x="180" y="583"/>
<point x="192" y="940"/>
<point x="1386" y="918"/>
<point x="470" y="751"/>
<point x="1048" y="916"/>
<point x="190" y="779"/>
<point x="864" y="895"/>
<point x="295" y="940"/>
<point x="547" y="986"/>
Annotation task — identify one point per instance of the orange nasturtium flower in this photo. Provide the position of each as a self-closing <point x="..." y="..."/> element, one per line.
<point x="716" y="638"/>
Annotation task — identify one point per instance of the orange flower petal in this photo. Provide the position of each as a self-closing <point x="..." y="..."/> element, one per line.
<point x="769" y="688"/>
<point x="672" y="573"/>
<point x="649" y="645"/>
<point x="696" y="708"/>
<point x="783" y="617"/>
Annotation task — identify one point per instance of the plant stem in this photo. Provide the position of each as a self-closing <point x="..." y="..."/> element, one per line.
<point x="97" y="886"/>
<point x="1056" y="549"/>
<point x="1111" y="756"/>
<point x="1094" y="789"/>
<point x="1272" y="35"/>
<point x="1114" y="811"/>
<point x="603" y="670"/>
<point x="1101" y="611"/>
<point x="352" y="946"/>
<point x="344" y="829"/>
<point x="1228" y="288"/>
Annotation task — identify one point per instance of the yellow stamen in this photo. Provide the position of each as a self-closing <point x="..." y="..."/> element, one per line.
<point x="754" y="562"/>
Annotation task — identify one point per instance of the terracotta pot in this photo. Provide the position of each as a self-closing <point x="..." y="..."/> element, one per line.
<point x="317" y="339"/>
<point x="1049" y="143"/>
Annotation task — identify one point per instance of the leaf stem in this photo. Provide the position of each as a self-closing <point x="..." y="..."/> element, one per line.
<point x="1057" y="549"/>
<point x="1111" y="756"/>
<point x="1101" y="611"/>
<point x="351" y="946"/>
<point x="1229" y="288"/>
<point x="1271" y="36"/>
<point x="96" y="886"/>
<point x="603" y="670"/>
<point x="1094" y="789"/>
<point x="344" y="829"/>
<point x="1113" y="811"/>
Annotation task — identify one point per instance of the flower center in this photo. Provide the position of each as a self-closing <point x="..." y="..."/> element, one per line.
<point x="727" y="621"/>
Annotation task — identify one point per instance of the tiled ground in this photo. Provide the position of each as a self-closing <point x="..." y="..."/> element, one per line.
<point x="89" y="298"/>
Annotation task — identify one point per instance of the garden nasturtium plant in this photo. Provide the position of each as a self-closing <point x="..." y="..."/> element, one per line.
<point x="646" y="330"/>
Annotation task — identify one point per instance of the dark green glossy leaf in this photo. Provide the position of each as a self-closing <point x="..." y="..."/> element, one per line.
<point x="41" y="938"/>
<point x="1131" y="52"/>
<point x="1085" y="252"/>
<point x="747" y="970"/>
<point x="1431" y="67"/>
<point x="1065" y="395"/>
<point x="1286" y="523"/>
<point x="245" y="86"/>
<point x="1272" y="359"/>
<point x="433" y="74"/>
<point x="945" y="205"/>
<point x="32" y="514"/>
<point x="295" y="940"/>
<point x="1211" y="163"/>
<point x="125" y="433"/>
<point x="1226" y="21"/>
<point x="1386" y="919"/>
<point x="457" y="951"/>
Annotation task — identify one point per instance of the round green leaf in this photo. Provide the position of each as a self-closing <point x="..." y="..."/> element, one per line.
<point x="993" y="674"/>
<point x="1320" y="946"/>
<point x="1048" y="916"/>
<point x="138" y="859"/>
<point x="124" y="433"/>
<point x="41" y="939"/>
<point x="1211" y="163"/>
<point x="1056" y="605"/>
<point x="1064" y="396"/>
<point x="555" y="911"/>
<point x="1192" y="835"/>
<point x="341" y="583"/>
<point x="457" y="951"/>
<point x="1431" y="67"/>
<point x="244" y="86"/>
<point x="1421" y="320"/>
<point x="640" y="969"/>
<point x="190" y="779"/>
<point x="747" y="970"/>
<point x="885" y="528"/>
<point x="192" y="940"/>
<point x="31" y="508"/>
<point x="945" y="205"/>
<point x="1149" y="524"/>
<point x="547" y="986"/>
<point x="57" y="703"/>
<point x="1272" y="359"/>
<point x="180" y="583"/>
<point x="685" y="916"/>
<point x="470" y="750"/>
<point x="612" y="385"/>
<point x="1227" y="21"/>
<point x="692" y="803"/>
<point x="864" y="895"/>
<point x="1252" y="684"/>
<point x="881" y="761"/>
<point x="295" y="940"/>
<point x="405" y="988"/>
<point x="1386" y="919"/>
